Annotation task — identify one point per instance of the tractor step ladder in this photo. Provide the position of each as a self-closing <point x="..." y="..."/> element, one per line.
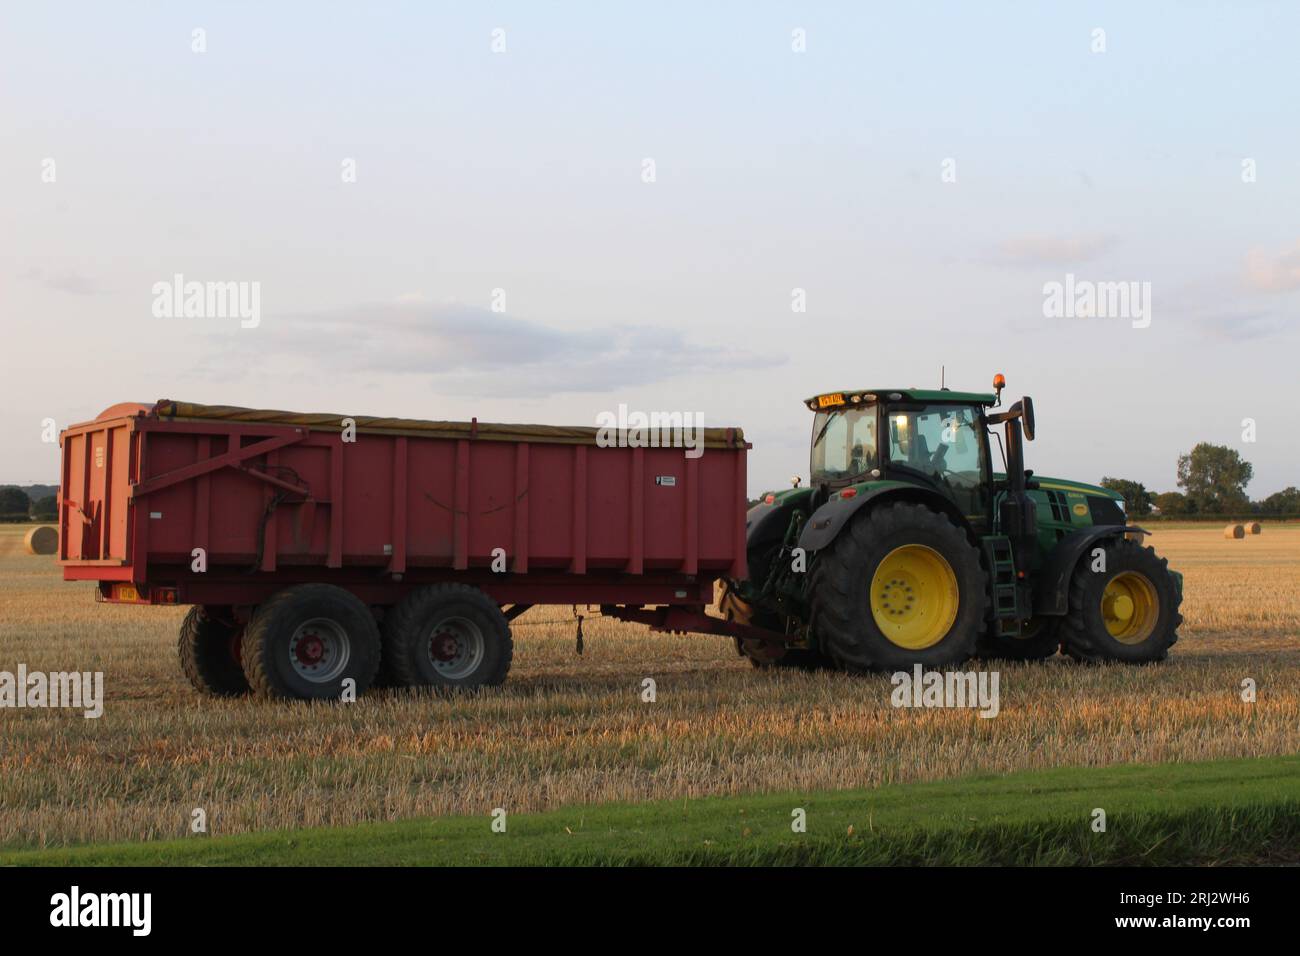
<point x="1001" y="563"/>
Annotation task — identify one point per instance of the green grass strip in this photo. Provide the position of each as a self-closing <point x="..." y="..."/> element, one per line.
<point x="1228" y="811"/>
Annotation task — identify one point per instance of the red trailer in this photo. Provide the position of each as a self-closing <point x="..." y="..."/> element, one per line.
<point x="316" y="547"/>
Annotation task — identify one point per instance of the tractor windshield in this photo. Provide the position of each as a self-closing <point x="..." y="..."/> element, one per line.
<point x="844" y="444"/>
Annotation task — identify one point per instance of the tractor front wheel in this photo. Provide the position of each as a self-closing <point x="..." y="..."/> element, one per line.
<point x="1127" y="612"/>
<point x="901" y="585"/>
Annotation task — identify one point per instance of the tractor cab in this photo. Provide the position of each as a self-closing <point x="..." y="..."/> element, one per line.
<point x="876" y="441"/>
<point x="935" y="439"/>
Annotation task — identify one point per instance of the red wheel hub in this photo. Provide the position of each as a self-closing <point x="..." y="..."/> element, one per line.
<point x="310" y="649"/>
<point x="444" y="646"/>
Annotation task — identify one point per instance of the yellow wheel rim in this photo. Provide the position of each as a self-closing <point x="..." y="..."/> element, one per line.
<point x="914" y="597"/>
<point x="1130" y="607"/>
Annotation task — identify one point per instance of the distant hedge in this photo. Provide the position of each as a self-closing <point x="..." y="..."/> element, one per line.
<point x="1216" y="519"/>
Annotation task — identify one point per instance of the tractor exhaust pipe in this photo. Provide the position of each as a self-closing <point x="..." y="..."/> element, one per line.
<point x="1018" y="513"/>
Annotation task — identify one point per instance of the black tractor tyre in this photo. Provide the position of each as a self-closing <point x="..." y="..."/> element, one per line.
<point x="450" y="637"/>
<point x="307" y="641"/>
<point x="1086" y="636"/>
<point x="842" y="577"/>
<point x="1039" y="640"/>
<point x="209" y="647"/>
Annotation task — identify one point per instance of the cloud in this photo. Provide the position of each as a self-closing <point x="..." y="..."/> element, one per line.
<point x="1241" y="325"/>
<point x="1216" y="306"/>
<point x="1053" y="250"/>
<point x="1274" y="271"/>
<point x="70" y="282"/>
<point x="471" y="351"/>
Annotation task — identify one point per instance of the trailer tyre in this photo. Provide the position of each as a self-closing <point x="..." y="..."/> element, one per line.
<point x="901" y="585"/>
<point x="1129" y="612"/>
<point x="209" y="649"/>
<point x="307" y="641"/>
<point x="447" y="636"/>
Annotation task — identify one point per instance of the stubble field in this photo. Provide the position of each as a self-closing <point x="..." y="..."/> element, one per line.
<point x="570" y="730"/>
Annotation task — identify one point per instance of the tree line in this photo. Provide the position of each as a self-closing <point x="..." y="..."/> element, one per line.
<point x="17" y="505"/>
<point x="1213" y="480"/>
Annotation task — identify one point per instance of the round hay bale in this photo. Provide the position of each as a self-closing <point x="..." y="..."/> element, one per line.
<point x="41" y="540"/>
<point x="1253" y="528"/>
<point x="1234" y="531"/>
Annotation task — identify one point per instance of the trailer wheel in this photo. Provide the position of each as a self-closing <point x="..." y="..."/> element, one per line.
<point x="449" y="636"/>
<point x="209" y="651"/>
<point x="307" y="640"/>
<point x="1129" y="612"/>
<point x="901" y="585"/>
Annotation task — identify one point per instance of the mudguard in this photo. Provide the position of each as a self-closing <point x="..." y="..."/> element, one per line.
<point x="1052" y="591"/>
<point x="767" y="524"/>
<point x="828" y="520"/>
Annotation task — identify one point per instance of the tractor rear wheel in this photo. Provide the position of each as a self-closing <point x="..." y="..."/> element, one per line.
<point x="901" y="585"/>
<point x="1128" y="612"/>
<point x="1039" y="639"/>
<point x="209" y="646"/>
<point x="448" y="636"/>
<point x="307" y="641"/>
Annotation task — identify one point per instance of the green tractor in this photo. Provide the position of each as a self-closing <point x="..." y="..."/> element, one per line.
<point x="908" y="547"/>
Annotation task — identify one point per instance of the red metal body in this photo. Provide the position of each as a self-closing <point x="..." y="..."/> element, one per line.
<point x="272" y="505"/>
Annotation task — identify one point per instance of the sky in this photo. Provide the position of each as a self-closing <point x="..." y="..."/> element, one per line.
<point x="539" y="211"/>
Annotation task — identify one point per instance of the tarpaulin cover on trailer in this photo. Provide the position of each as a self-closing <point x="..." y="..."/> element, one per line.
<point x="555" y="434"/>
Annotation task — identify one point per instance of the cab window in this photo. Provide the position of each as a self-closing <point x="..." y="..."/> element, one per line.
<point x="844" y="444"/>
<point x="945" y="445"/>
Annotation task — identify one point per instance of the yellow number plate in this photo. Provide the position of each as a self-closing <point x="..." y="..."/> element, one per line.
<point x="825" y="401"/>
<point x="127" y="592"/>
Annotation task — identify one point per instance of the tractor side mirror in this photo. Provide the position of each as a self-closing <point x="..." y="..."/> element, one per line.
<point x="1027" y="416"/>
